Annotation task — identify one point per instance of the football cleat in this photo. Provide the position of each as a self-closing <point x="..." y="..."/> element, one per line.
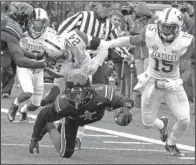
<point x="23" y="117"/>
<point x="78" y="144"/>
<point x="12" y="112"/>
<point x="174" y="150"/>
<point x="163" y="131"/>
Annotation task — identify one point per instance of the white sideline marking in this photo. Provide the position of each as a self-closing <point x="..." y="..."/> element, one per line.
<point x="91" y="135"/>
<point x="122" y="134"/>
<point x="95" y="148"/>
<point x="113" y="142"/>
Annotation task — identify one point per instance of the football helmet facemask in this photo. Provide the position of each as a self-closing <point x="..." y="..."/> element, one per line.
<point x="39" y="23"/>
<point x="78" y="88"/>
<point x="169" y="24"/>
<point x="21" y="13"/>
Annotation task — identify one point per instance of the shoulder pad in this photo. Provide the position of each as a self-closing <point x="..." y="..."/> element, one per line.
<point x="14" y="29"/>
<point x="104" y="91"/>
<point x="61" y="102"/>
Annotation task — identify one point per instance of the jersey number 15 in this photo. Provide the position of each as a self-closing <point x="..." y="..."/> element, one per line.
<point x="168" y="65"/>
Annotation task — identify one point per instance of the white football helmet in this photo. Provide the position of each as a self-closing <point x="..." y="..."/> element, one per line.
<point x="169" y="23"/>
<point x="39" y="23"/>
<point x="56" y="48"/>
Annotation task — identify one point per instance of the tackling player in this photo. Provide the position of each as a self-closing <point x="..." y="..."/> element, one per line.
<point x="32" y="80"/>
<point x="80" y="104"/>
<point x="75" y="44"/>
<point x="168" y="47"/>
<point x="12" y="28"/>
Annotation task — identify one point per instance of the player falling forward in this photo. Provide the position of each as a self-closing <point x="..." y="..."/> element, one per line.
<point x="80" y="104"/>
<point x="168" y="48"/>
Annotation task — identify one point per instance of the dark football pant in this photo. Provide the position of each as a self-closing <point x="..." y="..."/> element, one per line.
<point x="65" y="142"/>
<point x="8" y="73"/>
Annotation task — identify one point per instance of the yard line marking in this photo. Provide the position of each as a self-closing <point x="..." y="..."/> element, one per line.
<point x="142" y="138"/>
<point x="113" y="142"/>
<point x="184" y="158"/>
<point x="91" y="135"/>
<point x="122" y="134"/>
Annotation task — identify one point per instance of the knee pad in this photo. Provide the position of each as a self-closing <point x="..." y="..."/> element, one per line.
<point x="31" y="107"/>
<point x="183" y="124"/>
<point x="148" y="120"/>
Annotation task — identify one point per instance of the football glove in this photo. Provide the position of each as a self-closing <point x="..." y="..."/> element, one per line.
<point x="123" y="116"/>
<point x="172" y="85"/>
<point x="33" y="144"/>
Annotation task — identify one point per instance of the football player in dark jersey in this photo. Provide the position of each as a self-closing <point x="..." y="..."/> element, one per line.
<point x="80" y="104"/>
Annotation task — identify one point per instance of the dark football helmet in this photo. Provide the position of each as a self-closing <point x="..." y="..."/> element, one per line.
<point x="78" y="88"/>
<point x="21" y="12"/>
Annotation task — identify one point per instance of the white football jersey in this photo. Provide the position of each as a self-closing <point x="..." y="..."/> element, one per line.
<point x="33" y="46"/>
<point x="164" y="59"/>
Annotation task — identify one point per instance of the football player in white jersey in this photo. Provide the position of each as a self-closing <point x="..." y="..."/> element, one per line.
<point x="168" y="47"/>
<point x="31" y="80"/>
<point x="74" y="45"/>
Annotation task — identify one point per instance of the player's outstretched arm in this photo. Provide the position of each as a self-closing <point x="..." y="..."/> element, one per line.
<point x="127" y="40"/>
<point x="17" y="53"/>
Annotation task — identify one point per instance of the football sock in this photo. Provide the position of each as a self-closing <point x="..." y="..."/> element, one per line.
<point x="158" y="124"/>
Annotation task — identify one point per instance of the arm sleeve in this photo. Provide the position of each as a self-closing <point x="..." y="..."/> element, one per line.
<point x="70" y="23"/>
<point x="17" y="53"/>
<point x="102" y="53"/>
<point x="47" y="114"/>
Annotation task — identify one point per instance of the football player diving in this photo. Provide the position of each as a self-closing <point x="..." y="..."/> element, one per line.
<point x="169" y="47"/>
<point x="80" y="104"/>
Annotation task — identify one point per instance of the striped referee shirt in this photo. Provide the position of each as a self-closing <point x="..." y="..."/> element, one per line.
<point x="90" y="23"/>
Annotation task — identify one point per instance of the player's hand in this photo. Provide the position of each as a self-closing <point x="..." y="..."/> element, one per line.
<point x="33" y="144"/>
<point x="172" y="85"/>
<point x="41" y="56"/>
<point x="123" y="116"/>
<point x="91" y="69"/>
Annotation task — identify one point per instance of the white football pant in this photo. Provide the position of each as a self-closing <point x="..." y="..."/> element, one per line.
<point x="32" y="81"/>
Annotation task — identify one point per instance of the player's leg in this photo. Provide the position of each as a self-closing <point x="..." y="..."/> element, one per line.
<point x="150" y="103"/>
<point x="178" y="103"/>
<point x="54" y="92"/>
<point x="64" y="142"/>
<point x="25" y="79"/>
<point x="36" y="96"/>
